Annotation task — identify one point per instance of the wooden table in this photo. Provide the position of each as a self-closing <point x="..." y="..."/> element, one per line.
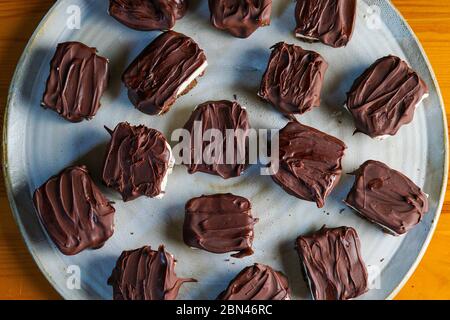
<point x="21" y="279"/>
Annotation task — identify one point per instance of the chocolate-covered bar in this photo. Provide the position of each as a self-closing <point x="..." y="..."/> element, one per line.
<point x="74" y="212"/>
<point x="385" y="97"/>
<point x="387" y="197"/>
<point x="332" y="264"/>
<point x="257" y="282"/>
<point x="328" y="21"/>
<point x="148" y="15"/>
<point x="138" y="162"/>
<point x="220" y="223"/>
<point x="309" y="162"/>
<point x="165" y="70"/>
<point x="77" y="81"/>
<point x="240" y="17"/>
<point x="293" y="80"/>
<point x="146" y="274"/>
<point x="221" y="116"/>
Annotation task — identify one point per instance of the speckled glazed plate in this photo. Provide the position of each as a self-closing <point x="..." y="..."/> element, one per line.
<point x="38" y="144"/>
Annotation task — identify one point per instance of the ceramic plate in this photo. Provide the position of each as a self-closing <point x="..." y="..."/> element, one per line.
<point x="38" y="144"/>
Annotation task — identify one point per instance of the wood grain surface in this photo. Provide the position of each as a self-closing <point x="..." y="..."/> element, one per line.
<point x="20" y="278"/>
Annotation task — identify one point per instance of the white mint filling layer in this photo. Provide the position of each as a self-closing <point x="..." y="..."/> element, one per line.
<point x="168" y="172"/>
<point x="392" y="232"/>
<point x="301" y="36"/>
<point x="193" y="76"/>
<point x="308" y="279"/>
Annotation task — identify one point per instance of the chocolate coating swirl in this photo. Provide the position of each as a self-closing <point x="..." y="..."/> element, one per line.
<point x="137" y="160"/>
<point x="329" y="21"/>
<point x="155" y="76"/>
<point x="257" y="282"/>
<point x="385" y="97"/>
<point x="222" y="116"/>
<point x="310" y="162"/>
<point x="293" y="79"/>
<point x="145" y="274"/>
<point x="74" y="212"/>
<point x="240" y="17"/>
<point x="333" y="264"/>
<point x="220" y="223"/>
<point x="77" y="81"/>
<point x="387" y="197"/>
<point x="148" y="15"/>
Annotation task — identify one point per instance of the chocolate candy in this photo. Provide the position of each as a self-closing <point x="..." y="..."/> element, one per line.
<point x="309" y="162"/>
<point x="166" y="69"/>
<point x="138" y="162"/>
<point x="145" y="274"/>
<point x="77" y="81"/>
<point x="385" y="97"/>
<point x="221" y="116"/>
<point x="148" y="15"/>
<point x="293" y="79"/>
<point x="387" y="197"/>
<point x="74" y="212"/>
<point x="220" y="223"/>
<point x="240" y="17"/>
<point x="328" y="21"/>
<point x="257" y="282"/>
<point x="332" y="264"/>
